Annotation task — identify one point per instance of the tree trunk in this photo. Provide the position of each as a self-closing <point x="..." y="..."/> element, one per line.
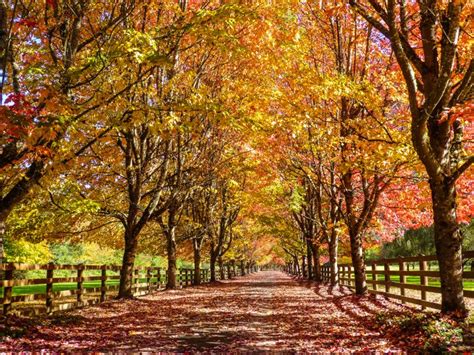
<point x="212" y="266"/>
<point x="221" y="268"/>
<point x="297" y="265"/>
<point x="333" y="259"/>
<point x="309" y="253"/>
<point x="197" y="262"/>
<point x="355" y="236"/>
<point x="358" y="262"/>
<point x="171" y="249"/>
<point x="229" y="271"/>
<point x="2" y="236"/>
<point x="448" y="243"/>
<point x="128" y="260"/>
<point x="303" y="266"/>
<point x="316" y="263"/>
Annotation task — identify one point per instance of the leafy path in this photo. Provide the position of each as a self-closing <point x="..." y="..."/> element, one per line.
<point x="264" y="311"/>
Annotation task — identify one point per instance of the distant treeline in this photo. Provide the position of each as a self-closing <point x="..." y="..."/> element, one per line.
<point x="421" y="242"/>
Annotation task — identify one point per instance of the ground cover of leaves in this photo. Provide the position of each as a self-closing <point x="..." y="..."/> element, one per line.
<point x="266" y="311"/>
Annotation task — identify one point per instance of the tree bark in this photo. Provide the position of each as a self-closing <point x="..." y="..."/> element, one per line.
<point x="303" y="266"/>
<point x="126" y="273"/>
<point x="171" y="250"/>
<point x="2" y="236"/>
<point x="309" y="257"/>
<point x="448" y="243"/>
<point x="197" y="263"/>
<point x="296" y="265"/>
<point x="212" y="266"/>
<point x="333" y="244"/>
<point x="221" y="268"/>
<point x="358" y="262"/>
<point x="355" y="236"/>
<point x="316" y="263"/>
<point x="229" y="271"/>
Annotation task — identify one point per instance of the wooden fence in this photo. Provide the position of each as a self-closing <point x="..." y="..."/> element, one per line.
<point x="411" y="280"/>
<point x="59" y="287"/>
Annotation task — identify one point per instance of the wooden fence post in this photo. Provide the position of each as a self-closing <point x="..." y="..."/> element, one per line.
<point x="423" y="281"/>
<point x="386" y="269"/>
<point x="401" y="267"/>
<point x="344" y="276"/>
<point x="80" y="284"/>
<point x="374" y="275"/>
<point x="136" y="280"/>
<point x="49" y="287"/>
<point x="349" y="270"/>
<point x="148" y="279"/>
<point x="7" y="288"/>
<point x="158" y="278"/>
<point x="103" y="283"/>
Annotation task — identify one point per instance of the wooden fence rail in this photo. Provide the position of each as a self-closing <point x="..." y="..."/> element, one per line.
<point x="411" y="279"/>
<point x="60" y="287"/>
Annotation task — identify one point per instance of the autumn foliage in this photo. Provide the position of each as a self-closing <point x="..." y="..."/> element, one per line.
<point x="290" y="132"/>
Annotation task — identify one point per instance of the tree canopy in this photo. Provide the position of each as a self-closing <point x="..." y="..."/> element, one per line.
<point x="251" y="131"/>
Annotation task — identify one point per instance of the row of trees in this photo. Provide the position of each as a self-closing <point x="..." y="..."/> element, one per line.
<point x="116" y="114"/>
<point x="218" y="126"/>
<point x="366" y="78"/>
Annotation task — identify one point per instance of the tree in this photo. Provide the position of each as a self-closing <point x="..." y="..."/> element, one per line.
<point x="307" y="218"/>
<point x="334" y="108"/>
<point x="427" y="40"/>
<point x="221" y="235"/>
<point x="54" y="78"/>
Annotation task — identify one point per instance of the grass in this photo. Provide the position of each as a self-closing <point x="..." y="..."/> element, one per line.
<point x="415" y="280"/>
<point x="65" y="286"/>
